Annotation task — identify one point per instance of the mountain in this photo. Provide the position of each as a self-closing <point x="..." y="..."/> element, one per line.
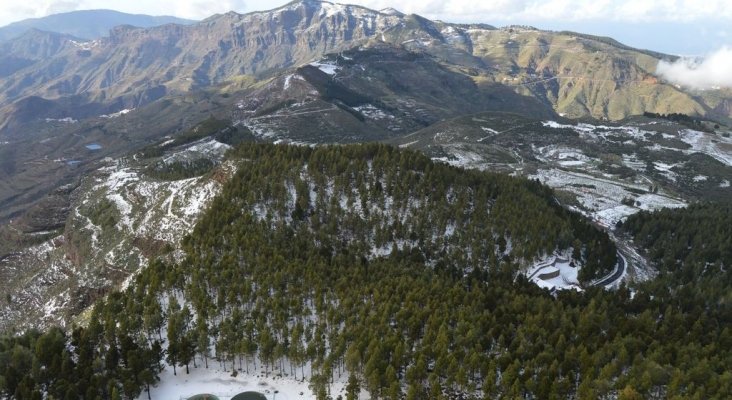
<point x="30" y="47"/>
<point x="366" y="100"/>
<point x="576" y="75"/>
<point x="357" y="96"/>
<point x="87" y="24"/>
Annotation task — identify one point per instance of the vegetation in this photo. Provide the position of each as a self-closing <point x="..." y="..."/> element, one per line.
<point x="180" y="169"/>
<point x="615" y="43"/>
<point x="377" y="263"/>
<point x="221" y="130"/>
<point x="104" y="214"/>
<point x="689" y="121"/>
<point x="690" y="244"/>
<point x="93" y="363"/>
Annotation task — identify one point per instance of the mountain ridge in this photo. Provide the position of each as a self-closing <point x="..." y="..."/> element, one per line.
<point x="578" y="75"/>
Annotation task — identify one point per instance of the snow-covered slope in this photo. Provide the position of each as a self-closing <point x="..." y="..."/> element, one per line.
<point x="119" y="219"/>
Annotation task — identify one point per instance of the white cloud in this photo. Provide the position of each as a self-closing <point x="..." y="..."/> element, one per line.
<point x="199" y="9"/>
<point x="715" y="70"/>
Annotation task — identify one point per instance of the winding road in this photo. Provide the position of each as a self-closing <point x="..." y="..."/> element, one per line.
<point x="615" y="275"/>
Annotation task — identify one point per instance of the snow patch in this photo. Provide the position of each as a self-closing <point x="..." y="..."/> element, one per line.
<point x="118" y="113"/>
<point x="602" y="131"/>
<point x="665" y="170"/>
<point x="555" y="273"/>
<point x="633" y="162"/>
<point x="460" y="158"/>
<point x="708" y="144"/>
<point x="86" y="45"/>
<point x="600" y="198"/>
<point x="220" y="383"/>
<point x="408" y="144"/>
<point x="205" y="148"/>
<point x="328" y="68"/>
<point x="67" y="120"/>
<point x="372" y="112"/>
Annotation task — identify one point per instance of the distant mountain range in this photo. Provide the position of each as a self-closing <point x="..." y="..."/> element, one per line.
<point x="577" y="75"/>
<point x="86" y="24"/>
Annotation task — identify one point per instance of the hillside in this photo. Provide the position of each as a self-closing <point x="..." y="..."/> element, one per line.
<point x="374" y="266"/>
<point x="87" y="24"/>
<point x="86" y="238"/>
<point x="606" y="171"/>
<point x="368" y="94"/>
<point x="52" y="149"/>
<point x="130" y="212"/>
<point x="691" y="244"/>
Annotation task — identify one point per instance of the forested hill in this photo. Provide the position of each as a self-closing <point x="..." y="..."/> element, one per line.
<point x="691" y="245"/>
<point x="375" y="200"/>
<point x="395" y="271"/>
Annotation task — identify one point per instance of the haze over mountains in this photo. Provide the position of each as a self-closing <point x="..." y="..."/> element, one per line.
<point x="87" y="24"/>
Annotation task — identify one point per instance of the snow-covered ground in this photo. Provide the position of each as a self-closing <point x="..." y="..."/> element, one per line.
<point x="118" y="113"/>
<point x="633" y="162"/>
<point x="149" y="214"/>
<point x="204" y="148"/>
<point x="666" y="170"/>
<point x="601" y="198"/>
<point x="461" y="158"/>
<point x="67" y="120"/>
<point x="711" y="145"/>
<point x="566" y="279"/>
<point x="88" y="45"/>
<point x="221" y="384"/>
<point x="371" y="112"/>
<point x="564" y="156"/>
<point x="162" y="210"/>
<point x="328" y="68"/>
<point x="602" y="131"/>
<point x="216" y="381"/>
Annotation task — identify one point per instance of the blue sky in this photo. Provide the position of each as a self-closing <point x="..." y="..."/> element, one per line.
<point x="686" y="27"/>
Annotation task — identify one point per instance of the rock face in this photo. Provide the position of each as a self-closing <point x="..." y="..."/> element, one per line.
<point x="577" y="75"/>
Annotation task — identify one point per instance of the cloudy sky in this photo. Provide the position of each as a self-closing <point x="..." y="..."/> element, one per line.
<point x="689" y="27"/>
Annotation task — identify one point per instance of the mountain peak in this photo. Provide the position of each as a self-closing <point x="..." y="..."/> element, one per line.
<point x="392" y="11"/>
<point x="308" y="2"/>
<point x="334" y="6"/>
